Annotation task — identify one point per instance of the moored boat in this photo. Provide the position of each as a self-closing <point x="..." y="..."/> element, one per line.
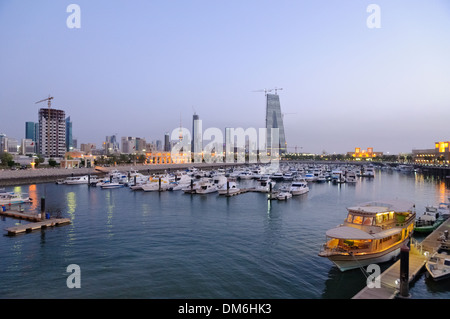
<point x="284" y="195"/>
<point x="7" y="198"/>
<point x="228" y="188"/>
<point x="373" y="232"/>
<point x="429" y="221"/>
<point x="299" y="187"/>
<point x="438" y="266"/>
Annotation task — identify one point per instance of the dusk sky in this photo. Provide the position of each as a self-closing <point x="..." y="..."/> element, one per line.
<point x="136" y="68"/>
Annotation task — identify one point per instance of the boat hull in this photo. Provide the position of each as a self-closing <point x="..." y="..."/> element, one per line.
<point x="348" y="262"/>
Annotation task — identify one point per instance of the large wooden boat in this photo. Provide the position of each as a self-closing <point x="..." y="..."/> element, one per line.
<point x="372" y="233"/>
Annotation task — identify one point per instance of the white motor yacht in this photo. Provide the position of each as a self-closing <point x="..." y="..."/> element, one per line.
<point x="7" y="198"/>
<point x="206" y="187"/>
<point x="265" y="185"/>
<point x="77" y="180"/>
<point x="350" y="177"/>
<point x="228" y="188"/>
<point x="284" y="195"/>
<point x="156" y="183"/>
<point x="299" y="187"/>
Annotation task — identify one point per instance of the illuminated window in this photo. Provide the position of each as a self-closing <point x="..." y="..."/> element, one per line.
<point x="358" y="220"/>
<point x="349" y="218"/>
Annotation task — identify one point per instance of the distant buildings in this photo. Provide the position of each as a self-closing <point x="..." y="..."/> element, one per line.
<point x="359" y="153"/>
<point x="440" y="154"/>
<point x="52" y="132"/>
<point x="274" y="119"/>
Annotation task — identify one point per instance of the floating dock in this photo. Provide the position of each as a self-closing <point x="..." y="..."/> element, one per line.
<point x="20" y="214"/>
<point x="417" y="261"/>
<point x="52" y="222"/>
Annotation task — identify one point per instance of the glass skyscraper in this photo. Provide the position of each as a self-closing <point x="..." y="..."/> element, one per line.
<point x="30" y="133"/>
<point x="274" y="119"/>
<point x="69" y="141"/>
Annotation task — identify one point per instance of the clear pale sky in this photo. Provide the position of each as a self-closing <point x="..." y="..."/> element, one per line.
<point x="136" y="68"/>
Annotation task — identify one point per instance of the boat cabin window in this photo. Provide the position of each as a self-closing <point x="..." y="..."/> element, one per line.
<point x="447" y="262"/>
<point x="367" y="220"/>
<point x="384" y="217"/>
<point x="349" y="218"/>
<point x="358" y="220"/>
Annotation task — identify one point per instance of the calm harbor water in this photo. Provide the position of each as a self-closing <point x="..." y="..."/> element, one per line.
<point x="174" y="245"/>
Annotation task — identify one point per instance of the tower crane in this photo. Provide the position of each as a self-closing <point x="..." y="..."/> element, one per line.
<point x="49" y="101"/>
<point x="268" y="90"/>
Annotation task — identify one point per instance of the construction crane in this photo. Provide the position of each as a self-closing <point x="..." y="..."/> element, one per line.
<point x="49" y="101"/>
<point x="49" y="104"/>
<point x="268" y="90"/>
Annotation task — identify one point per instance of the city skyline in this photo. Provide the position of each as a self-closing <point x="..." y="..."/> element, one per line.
<point x="137" y="69"/>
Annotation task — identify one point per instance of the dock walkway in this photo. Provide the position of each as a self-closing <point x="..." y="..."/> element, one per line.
<point x="26" y="228"/>
<point x="20" y="214"/>
<point x="417" y="260"/>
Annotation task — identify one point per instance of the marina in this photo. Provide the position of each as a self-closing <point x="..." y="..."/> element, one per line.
<point x="214" y="245"/>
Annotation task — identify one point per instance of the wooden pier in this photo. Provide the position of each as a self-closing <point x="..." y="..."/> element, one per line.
<point x="26" y="228"/>
<point x="20" y="214"/>
<point x="417" y="260"/>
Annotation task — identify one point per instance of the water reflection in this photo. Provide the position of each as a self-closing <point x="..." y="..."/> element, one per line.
<point x="32" y="193"/>
<point x="109" y="212"/>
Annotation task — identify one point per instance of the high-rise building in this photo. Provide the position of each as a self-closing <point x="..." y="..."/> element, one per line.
<point x="30" y="133"/>
<point x="36" y="137"/>
<point x="167" y="146"/>
<point x="69" y="140"/>
<point x="196" y="144"/>
<point x="52" y="132"/>
<point x="274" y="119"/>
<point x="128" y="145"/>
<point x="3" y="141"/>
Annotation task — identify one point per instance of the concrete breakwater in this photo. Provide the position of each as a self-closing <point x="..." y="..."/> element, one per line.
<point x="44" y="175"/>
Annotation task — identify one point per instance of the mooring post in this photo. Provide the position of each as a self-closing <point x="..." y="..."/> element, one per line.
<point x="159" y="184"/>
<point x="270" y="190"/>
<point x="89" y="180"/>
<point x="404" y="272"/>
<point x="228" y="187"/>
<point x="42" y="208"/>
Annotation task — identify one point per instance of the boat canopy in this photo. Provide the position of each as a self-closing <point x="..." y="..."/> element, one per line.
<point x="352" y="233"/>
<point x="345" y="232"/>
<point x="396" y="205"/>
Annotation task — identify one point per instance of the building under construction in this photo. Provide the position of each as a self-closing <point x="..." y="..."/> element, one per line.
<point x="52" y="132"/>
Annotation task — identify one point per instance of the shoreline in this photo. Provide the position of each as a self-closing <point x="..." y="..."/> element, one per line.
<point x="46" y="175"/>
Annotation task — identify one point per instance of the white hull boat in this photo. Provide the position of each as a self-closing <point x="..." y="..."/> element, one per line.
<point x="373" y="232"/>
